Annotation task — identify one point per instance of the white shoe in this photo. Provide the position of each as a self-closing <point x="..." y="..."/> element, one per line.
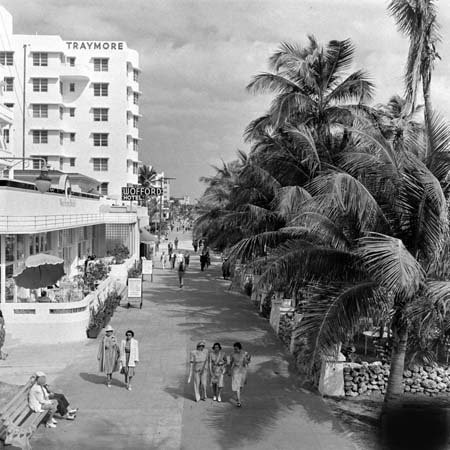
<point x="50" y="425"/>
<point x="54" y="421"/>
<point x="214" y="398"/>
<point x="219" y="399"/>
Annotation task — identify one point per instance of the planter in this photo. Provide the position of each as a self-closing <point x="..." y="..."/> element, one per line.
<point x="92" y="333"/>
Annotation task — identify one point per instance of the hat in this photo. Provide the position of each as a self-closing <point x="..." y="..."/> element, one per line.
<point x="109" y="328"/>
<point x="201" y="343"/>
<point x="39" y="374"/>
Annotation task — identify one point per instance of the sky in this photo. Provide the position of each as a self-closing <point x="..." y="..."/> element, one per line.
<point x="197" y="58"/>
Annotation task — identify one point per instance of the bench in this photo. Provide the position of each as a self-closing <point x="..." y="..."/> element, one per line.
<point x="17" y="421"/>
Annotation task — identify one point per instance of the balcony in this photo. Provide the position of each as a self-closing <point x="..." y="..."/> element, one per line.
<point x="77" y="72"/>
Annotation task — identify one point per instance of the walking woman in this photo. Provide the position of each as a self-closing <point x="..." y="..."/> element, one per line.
<point x="129" y="356"/>
<point x="239" y="362"/>
<point x="217" y="369"/>
<point x="198" y="368"/>
<point x="108" y="354"/>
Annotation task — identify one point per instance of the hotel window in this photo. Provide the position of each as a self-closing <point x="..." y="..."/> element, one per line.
<point x="135" y="168"/>
<point x="61" y="163"/>
<point x="72" y="87"/>
<point x="101" y="89"/>
<point x="61" y="87"/>
<point x="72" y="112"/>
<point x="40" y="137"/>
<point x="100" y="164"/>
<point x="9" y="84"/>
<point x="71" y="62"/>
<point x="7" y="58"/>
<point x="135" y="98"/>
<point x="6" y="135"/>
<point x="38" y="163"/>
<point x="40" y="111"/>
<point x="100" y="64"/>
<point x="61" y="138"/>
<point x="135" y="145"/>
<point x="72" y="162"/>
<point x="40" y="84"/>
<point x="100" y="139"/>
<point x="40" y="59"/>
<point x="9" y="105"/>
<point x="72" y="137"/>
<point x="100" y="114"/>
<point x="61" y="113"/>
<point x="135" y="121"/>
<point x="135" y="75"/>
<point x="103" y="189"/>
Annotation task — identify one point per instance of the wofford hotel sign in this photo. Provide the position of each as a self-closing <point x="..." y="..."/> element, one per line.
<point x="94" y="45"/>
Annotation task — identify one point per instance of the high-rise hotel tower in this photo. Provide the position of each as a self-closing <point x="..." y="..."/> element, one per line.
<point x="81" y="102"/>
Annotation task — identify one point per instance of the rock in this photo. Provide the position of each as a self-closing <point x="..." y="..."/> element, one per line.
<point x="409" y="381"/>
<point x="407" y="388"/>
<point x="407" y="373"/>
<point x="428" y="369"/>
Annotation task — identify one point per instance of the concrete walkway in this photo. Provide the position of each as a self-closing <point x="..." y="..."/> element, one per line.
<point x="159" y="413"/>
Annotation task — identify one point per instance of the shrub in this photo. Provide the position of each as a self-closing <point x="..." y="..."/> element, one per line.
<point x="136" y="270"/>
<point x="120" y="253"/>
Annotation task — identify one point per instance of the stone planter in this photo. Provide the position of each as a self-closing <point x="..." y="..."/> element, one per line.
<point x="92" y="333"/>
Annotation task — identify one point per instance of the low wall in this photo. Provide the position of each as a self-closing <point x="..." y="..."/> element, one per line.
<point x="363" y="379"/>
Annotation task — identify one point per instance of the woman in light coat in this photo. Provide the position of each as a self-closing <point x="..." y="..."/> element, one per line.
<point x="108" y="354"/>
<point x="129" y="356"/>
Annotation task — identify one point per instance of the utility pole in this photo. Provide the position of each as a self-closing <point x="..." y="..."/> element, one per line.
<point x="24" y="100"/>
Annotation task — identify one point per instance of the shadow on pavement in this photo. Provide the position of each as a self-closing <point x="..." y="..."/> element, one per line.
<point x="273" y="392"/>
<point x="100" y="379"/>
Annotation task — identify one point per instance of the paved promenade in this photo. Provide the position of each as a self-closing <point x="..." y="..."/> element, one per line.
<point x="159" y="413"/>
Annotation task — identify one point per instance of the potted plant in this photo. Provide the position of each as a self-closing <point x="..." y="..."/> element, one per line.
<point x="120" y="253"/>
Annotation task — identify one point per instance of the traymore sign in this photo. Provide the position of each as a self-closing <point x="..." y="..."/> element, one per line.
<point x="138" y="192"/>
<point x="95" y="45"/>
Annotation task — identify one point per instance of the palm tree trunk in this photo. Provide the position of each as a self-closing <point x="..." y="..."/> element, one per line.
<point x="400" y="331"/>
<point x="426" y="82"/>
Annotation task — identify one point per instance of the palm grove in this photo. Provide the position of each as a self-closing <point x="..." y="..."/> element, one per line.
<point x="343" y="205"/>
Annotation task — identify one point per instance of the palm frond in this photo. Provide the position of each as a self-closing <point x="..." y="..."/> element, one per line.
<point x="390" y="264"/>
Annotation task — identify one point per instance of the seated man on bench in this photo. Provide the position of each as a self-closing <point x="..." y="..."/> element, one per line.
<point x="39" y="401"/>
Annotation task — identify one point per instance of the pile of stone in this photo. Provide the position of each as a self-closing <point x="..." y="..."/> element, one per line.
<point x="366" y="379"/>
<point x="427" y="380"/>
<point x="286" y="328"/>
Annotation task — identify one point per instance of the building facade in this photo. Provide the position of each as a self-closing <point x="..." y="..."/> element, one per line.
<point x="81" y="108"/>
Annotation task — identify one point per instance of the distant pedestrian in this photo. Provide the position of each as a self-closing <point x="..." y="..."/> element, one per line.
<point x="170" y="249"/>
<point x="198" y="369"/>
<point x="181" y="267"/>
<point x="163" y="260"/>
<point x="195" y="245"/>
<point x="173" y="260"/>
<point x="176" y="243"/>
<point x="129" y="356"/>
<point x="187" y="258"/>
<point x="226" y="269"/>
<point x="203" y="260"/>
<point x="239" y="362"/>
<point x="217" y="369"/>
<point x="108" y="354"/>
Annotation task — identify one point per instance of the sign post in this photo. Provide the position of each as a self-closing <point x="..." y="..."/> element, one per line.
<point x="138" y="192"/>
<point x="135" y="290"/>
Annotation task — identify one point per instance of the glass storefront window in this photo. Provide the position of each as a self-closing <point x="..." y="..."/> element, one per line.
<point x="10" y="247"/>
<point x="9" y="285"/>
<point x="20" y="247"/>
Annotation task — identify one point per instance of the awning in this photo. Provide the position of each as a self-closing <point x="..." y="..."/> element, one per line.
<point x="146" y="237"/>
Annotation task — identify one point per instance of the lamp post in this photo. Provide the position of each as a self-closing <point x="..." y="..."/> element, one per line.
<point x="161" y="180"/>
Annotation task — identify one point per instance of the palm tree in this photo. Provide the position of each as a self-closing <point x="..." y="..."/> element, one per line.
<point x="147" y="178"/>
<point x="363" y="244"/>
<point x="312" y="89"/>
<point x="417" y="19"/>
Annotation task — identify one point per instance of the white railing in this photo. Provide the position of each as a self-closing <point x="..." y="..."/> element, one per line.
<point x="35" y="224"/>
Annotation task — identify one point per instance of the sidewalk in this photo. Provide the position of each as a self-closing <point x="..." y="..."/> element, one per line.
<point x="160" y="412"/>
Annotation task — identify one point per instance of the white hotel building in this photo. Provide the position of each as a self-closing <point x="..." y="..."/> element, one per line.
<point x="81" y="104"/>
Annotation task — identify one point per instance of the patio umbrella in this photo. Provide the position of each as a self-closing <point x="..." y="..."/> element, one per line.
<point x="40" y="270"/>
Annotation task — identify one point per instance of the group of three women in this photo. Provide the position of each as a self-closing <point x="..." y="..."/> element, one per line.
<point x="215" y="364"/>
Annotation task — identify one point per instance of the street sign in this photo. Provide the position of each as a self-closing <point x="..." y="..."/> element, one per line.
<point x="147" y="267"/>
<point x="138" y="192"/>
<point x="134" y="287"/>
